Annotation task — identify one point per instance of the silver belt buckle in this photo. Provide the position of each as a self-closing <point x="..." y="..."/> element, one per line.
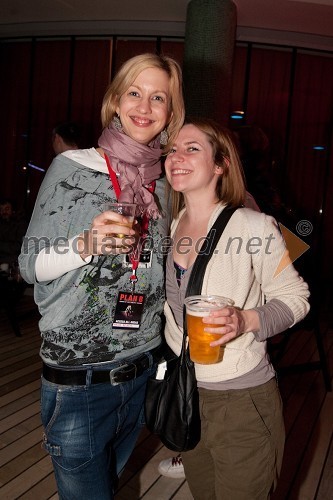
<point x="113" y="373"/>
<point x="121" y="368"/>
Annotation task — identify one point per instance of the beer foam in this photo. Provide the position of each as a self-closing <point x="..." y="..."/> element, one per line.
<point x="197" y="314"/>
<point x="202" y="306"/>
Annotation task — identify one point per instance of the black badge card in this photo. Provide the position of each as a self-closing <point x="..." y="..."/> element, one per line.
<point x="129" y="309"/>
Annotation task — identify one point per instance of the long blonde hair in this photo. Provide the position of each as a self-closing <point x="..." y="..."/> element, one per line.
<point x="125" y="77"/>
<point x="230" y="188"/>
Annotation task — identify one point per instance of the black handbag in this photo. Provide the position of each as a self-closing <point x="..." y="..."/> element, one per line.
<point x="172" y="404"/>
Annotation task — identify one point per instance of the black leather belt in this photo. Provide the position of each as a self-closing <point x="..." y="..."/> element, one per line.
<point x="120" y="374"/>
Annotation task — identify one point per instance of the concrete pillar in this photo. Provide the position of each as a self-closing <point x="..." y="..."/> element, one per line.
<point x="208" y="55"/>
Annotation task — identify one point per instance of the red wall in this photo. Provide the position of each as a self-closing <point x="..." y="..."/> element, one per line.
<point x="287" y="92"/>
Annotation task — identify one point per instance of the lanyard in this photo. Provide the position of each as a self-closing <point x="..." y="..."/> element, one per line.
<point x="135" y="255"/>
<point x="113" y="177"/>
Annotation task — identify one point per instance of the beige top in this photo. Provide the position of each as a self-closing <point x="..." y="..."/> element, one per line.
<point x="243" y="268"/>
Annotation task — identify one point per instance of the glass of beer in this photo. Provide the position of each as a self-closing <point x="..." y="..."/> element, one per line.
<point x="197" y="307"/>
<point x="127" y="210"/>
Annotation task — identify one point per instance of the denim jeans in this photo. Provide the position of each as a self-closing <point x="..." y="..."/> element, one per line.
<point x="90" y="432"/>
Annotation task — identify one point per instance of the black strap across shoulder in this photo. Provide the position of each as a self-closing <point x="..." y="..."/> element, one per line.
<point x="199" y="267"/>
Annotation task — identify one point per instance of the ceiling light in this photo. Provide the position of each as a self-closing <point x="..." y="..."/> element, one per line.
<point x="237" y="115"/>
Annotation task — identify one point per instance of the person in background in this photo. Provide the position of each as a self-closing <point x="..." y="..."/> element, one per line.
<point x="95" y="371"/>
<point x="12" y="229"/>
<point x="242" y="428"/>
<point x="259" y="170"/>
<point x="65" y="137"/>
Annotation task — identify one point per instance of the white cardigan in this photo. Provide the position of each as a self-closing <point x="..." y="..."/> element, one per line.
<point x="242" y="268"/>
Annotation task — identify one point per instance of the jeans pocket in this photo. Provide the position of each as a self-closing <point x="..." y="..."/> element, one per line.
<point x="65" y="417"/>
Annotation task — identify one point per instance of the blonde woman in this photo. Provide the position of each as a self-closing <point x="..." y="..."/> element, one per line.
<point x="95" y="370"/>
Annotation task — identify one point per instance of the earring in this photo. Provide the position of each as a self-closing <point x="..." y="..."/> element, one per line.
<point x="164" y="137"/>
<point x="117" y="123"/>
<point x="226" y="161"/>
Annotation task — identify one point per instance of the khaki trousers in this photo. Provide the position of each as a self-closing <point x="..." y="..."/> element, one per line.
<point x="240" y="452"/>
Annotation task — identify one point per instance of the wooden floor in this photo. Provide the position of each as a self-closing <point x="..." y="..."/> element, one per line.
<point x="26" y="470"/>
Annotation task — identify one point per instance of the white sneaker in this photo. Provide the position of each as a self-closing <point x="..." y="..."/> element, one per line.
<point x="172" y="467"/>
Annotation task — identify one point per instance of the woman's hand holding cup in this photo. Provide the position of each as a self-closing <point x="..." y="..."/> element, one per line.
<point x="111" y="232"/>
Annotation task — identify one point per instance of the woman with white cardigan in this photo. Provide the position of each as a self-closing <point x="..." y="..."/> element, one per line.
<point x="242" y="436"/>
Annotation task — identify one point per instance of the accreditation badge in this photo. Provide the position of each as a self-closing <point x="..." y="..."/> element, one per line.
<point x="129" y="309"/>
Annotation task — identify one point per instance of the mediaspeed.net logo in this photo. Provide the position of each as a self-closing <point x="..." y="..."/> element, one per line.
<point x="295" y="246"/>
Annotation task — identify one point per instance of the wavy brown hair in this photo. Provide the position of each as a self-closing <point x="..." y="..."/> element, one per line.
<point x="230" y="187"/>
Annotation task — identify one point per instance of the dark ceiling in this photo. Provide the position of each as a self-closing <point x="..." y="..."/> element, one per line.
<point x="307" y="23"/>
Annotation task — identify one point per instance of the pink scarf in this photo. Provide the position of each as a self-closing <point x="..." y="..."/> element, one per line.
<point x="137" y="164"/>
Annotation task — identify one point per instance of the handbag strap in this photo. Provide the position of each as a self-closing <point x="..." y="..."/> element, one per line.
<point x="199" y="267"/>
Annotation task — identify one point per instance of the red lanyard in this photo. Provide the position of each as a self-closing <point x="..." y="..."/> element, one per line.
<point x="113" y="177"/>
<point x="135" y="255"/>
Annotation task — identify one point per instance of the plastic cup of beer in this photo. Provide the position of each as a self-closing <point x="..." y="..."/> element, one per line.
<point x="197" y="307"/>
<point x="127" y="210"/>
